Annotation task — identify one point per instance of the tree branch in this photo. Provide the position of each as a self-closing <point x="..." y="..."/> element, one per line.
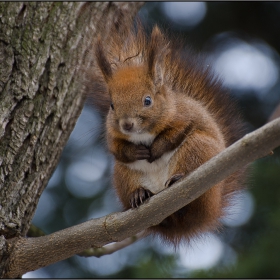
<point x="32" y="253"/>
<point x="111" y="248"/>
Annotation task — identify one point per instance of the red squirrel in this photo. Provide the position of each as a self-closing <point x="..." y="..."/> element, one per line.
<point x="167" y="114"/>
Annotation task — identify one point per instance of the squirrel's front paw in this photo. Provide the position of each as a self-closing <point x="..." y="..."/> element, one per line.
<point x="142" y="152"/>
<point x="154" y="154"/>
<point x="139" y="196"/>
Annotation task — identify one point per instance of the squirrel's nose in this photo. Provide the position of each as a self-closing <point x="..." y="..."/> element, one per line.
<point x="127" y="126"/>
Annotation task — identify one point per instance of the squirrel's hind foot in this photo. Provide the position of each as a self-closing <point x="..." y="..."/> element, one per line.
<point x="139" y="196"/>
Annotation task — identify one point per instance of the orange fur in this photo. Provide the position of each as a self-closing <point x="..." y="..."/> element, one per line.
<point x="190" y="119"/>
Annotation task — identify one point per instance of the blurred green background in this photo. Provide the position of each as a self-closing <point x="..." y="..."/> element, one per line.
<point x="241" y="41"/>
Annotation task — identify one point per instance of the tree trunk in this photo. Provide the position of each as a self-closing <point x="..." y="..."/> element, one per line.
<point x="42" y="47"/>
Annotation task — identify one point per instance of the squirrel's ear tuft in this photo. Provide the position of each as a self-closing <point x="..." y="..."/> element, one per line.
<point x="155" y="56"/>
<point x="102" y="61"/>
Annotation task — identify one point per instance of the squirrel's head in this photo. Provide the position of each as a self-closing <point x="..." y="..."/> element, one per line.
<point x="139" y="103"/>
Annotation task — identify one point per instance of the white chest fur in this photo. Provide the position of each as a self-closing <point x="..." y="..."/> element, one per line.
<point x="142" y="138"/>
<point x="155" y="174"/>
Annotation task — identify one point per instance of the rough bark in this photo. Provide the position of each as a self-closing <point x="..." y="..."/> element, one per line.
<point x="43" y="47"/>
<point x="31" y="253"/>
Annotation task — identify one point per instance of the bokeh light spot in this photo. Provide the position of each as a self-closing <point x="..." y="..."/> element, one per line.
<point x="202" y="253"/>
<point x="241" y="210"/>
<point x="186" y="14"/>
<point x="245" y="66"/>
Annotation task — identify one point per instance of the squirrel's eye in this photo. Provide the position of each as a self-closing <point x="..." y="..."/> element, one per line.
<point x="148" y="101"/>
<point x="112" y="106"/>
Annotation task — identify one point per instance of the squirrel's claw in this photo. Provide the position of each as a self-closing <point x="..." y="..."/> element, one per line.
<point x="173" y="179"/>
<point x="139" y="196"/>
